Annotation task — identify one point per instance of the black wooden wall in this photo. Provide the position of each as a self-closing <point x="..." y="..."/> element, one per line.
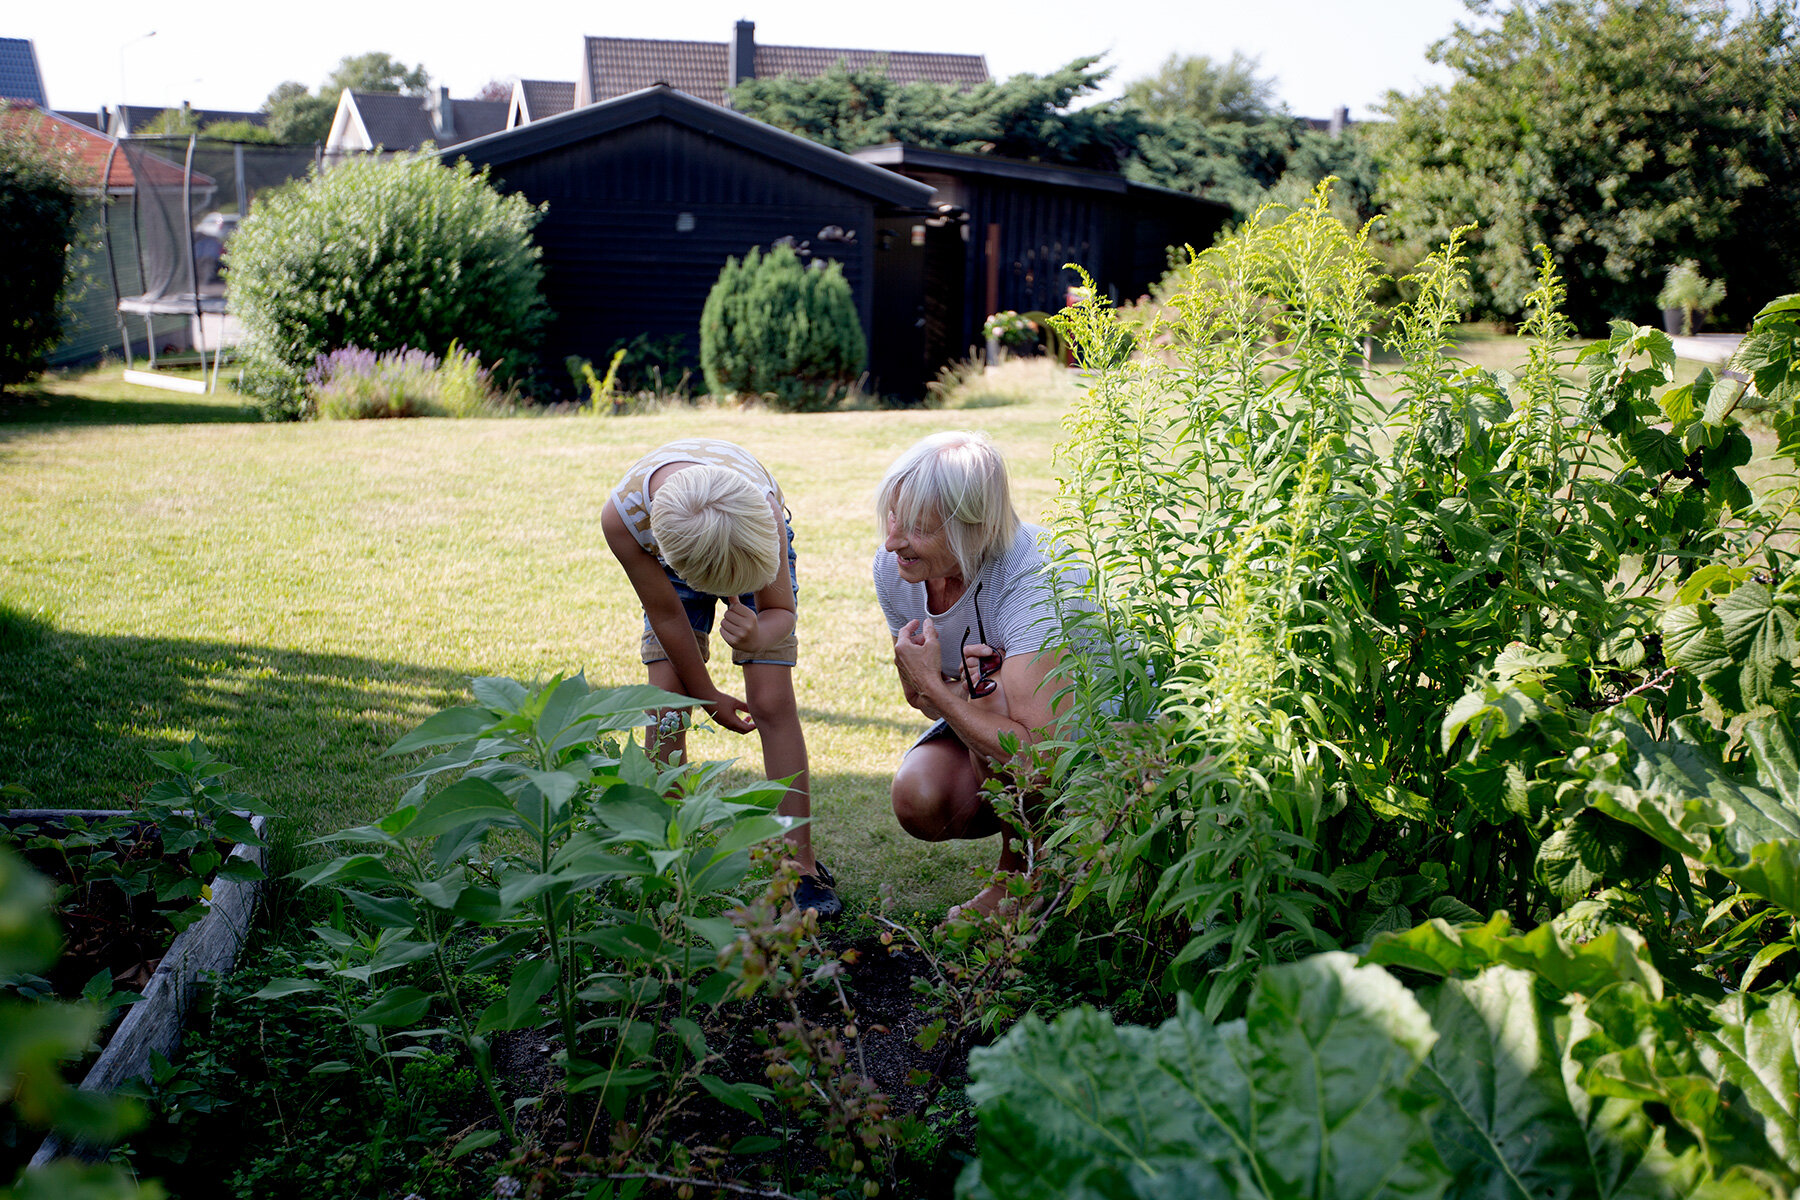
<point x="619" y="257"/>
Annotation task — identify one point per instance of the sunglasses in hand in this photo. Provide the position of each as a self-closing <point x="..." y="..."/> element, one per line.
<point x="985" y="684"/>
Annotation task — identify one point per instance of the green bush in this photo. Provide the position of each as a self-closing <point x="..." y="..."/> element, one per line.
<point x="406" y="253"/>
<point x="779" y="329"/>
<point x="38" y="207"/>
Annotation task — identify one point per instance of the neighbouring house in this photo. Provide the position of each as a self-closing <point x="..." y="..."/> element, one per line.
<point x="613" y="66"/>
<point x="1006" y="231"/>
<point x="131" y="120"/>
<point x="535" y="99"/>
<point x="391" y="122"/>
<point x="20" y="78"/>
<point x="649" y="193"/>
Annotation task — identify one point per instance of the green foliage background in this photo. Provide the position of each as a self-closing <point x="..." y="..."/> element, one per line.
<point x="1624" y="136"/>
<point x="384" y="255"/>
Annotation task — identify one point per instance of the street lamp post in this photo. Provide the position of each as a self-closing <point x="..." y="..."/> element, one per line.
<point x="124" y="97"/>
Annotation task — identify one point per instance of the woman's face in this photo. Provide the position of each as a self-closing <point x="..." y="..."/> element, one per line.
<point x="921" y="555"/>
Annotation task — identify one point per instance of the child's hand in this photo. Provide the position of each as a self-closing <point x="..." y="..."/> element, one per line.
<point x="731" y="713"/>
<point x="739" y="628"/>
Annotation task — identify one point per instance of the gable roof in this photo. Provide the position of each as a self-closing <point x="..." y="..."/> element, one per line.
<point x="89" y="151"/>
<point x="616" y="66"/>
<point x="669" y="104"/>
<point x="535" y="99"/>
<point x="397" y="122"/>
<point x="19" y="75"/>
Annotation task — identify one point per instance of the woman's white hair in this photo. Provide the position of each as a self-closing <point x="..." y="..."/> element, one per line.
<point x="956" y="480"/>
<point x="716" y="530"/>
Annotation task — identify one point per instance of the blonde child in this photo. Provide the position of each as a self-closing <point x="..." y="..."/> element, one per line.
<point x="695" y="522"/>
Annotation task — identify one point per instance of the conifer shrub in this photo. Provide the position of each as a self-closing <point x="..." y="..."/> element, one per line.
<point x="787" y="332"/>
<point x="385" y="256"/>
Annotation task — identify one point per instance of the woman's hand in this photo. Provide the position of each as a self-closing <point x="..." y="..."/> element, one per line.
<point x="918" y="660"/>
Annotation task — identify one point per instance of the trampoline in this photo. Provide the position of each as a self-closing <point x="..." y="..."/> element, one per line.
<point x="186" y="196"/>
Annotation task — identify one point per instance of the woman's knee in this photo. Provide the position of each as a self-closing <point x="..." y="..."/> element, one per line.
<point x="924" y="812"/>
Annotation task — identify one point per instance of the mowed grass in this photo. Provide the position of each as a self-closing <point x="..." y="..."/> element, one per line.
<point x="300" y="595"/>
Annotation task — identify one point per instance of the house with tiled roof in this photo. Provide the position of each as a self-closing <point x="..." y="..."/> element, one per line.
<point x="535" y="99"/>
<point x="20" y="78"/>
<point x="613" y="66"/>
<point x="390" y="121"/>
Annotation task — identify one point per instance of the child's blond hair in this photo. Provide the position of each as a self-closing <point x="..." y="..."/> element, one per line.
<point x="716" y="530"/>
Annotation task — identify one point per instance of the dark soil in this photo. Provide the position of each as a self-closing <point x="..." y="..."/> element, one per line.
<point x="102" y="926"/>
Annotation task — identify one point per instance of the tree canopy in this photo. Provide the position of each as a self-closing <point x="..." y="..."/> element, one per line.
<point x="1625" y="135"/>
<point x="1209" y="92"/>
<point x="297" y="115"/>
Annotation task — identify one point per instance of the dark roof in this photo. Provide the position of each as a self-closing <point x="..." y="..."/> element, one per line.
<point x="617" y="66"/>
<point x="91" y="120"/>
<point x="131" y="118"/>
<point x="19" y="75"/>
<point x="393" y="121"/>
<point x="397" y="122"/>
<point x="668" y="104"/>
<point x="547" y="97"/>
<point x="950" y="162"/>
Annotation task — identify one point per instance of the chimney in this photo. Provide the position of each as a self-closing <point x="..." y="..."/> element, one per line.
<point x="1340" y="121"/>
<point x="443" y="115"/>
<point x="740" y="54"/>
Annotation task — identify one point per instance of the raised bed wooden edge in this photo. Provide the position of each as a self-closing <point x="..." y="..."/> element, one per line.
<point x="207" y="947"/>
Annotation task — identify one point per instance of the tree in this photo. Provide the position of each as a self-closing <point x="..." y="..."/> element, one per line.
<point x="384" y="255"/>
<point x="1207" y="91"/>
<point x="173" y="122"/>
<point x="495" y="89"/>
<point x="377" y="72"/>
<point x="39" y="204"/>
<point x="238" y="131"/>
<point x="1027" y="117"/>
<point x="783" y="330"/>
<point x="1624" y="135"/>
<point x="296" y="115"/>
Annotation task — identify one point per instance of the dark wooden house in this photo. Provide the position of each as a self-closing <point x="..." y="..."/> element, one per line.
<point x="1004" y="231"/>
<point x="649" y="193"/>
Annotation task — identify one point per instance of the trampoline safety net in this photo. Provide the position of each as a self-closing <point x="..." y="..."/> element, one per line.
<point x="175" y="202"/>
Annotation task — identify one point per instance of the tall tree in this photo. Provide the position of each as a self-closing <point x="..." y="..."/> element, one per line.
<point x="1623" y="134"/>
<point x="1028" y="116"/>
<point x="377" y="72"/>
<point x="297" y="115"/>
<point x="1207" y="91"/>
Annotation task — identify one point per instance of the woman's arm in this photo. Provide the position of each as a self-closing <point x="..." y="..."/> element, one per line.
<point x="1019" y="706"/>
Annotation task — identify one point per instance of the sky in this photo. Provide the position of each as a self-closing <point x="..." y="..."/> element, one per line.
<point x="1322" y="53"/>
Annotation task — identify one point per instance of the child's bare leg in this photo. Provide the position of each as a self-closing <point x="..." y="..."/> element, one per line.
<point x="665" y="746"/>
<point x="769" y="691"/>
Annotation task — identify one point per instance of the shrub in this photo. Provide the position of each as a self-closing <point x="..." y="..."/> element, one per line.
<point x="1685" y="288"/>
<point x="781" y="330"/>
<point x="384" y="256"/>
<point x="355" y="384"/>
<point x="38" y="207"/>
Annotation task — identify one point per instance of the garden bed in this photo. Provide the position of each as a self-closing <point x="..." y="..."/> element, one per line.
<point x="123" y="934"/>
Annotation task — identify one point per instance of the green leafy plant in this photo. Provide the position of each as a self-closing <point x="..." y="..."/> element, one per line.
<point x="781" y="330"/>
<point x="384" y="255"/>
<point x="603" y="898"/>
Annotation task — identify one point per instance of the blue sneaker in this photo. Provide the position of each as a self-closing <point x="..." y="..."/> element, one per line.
<point x="815" y="892"/>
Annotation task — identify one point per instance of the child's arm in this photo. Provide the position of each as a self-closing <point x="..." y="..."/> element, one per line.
<point x="669" y="622"/>
<point x="748" y="631"/>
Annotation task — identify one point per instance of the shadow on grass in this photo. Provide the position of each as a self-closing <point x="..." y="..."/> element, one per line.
<point x="305" y="730"/>
<point x="49" y="405"/>
<point x="819" y="716"/>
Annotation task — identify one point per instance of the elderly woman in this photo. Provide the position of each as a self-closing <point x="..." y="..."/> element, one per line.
<point x="967" y="592"/>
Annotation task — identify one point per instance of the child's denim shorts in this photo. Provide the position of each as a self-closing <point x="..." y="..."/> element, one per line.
<point x="701" y="608"/>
